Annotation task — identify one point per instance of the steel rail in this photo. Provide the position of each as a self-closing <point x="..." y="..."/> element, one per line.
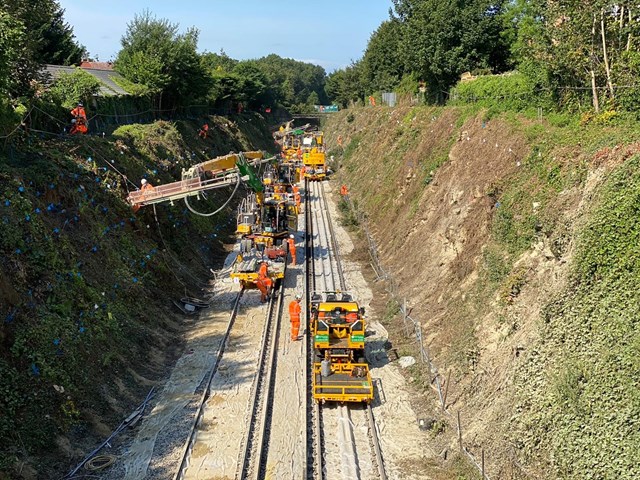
<point x="314" y="468"/>
<point x="188" y="447"/>
<point x="252" y="462"/>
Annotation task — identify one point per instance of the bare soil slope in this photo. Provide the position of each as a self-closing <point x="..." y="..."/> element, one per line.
<point x="478" y="221"/>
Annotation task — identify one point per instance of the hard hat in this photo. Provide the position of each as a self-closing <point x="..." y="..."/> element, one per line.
<point x="291" y="236"/>
<point x="80" y="104"/>
<point x="298" y="296"/>
<point x="143" y="181"/>
<point x="73" y="120"/>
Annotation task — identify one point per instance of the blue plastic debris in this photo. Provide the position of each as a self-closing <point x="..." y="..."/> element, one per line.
<point x="94" y="249"/>
<point x="21" y="189"/>
<point x="56" y="230"/>
<point x="135" y="280"/>
<point x="82" y="329"/>
<point x="27" y="217"/>
<point x="37" y="210"/>
<point x="56" y="341"/>
<point x="7" y="203"/>
<point x="35" y="370"/>
<point x="51" y="186"/>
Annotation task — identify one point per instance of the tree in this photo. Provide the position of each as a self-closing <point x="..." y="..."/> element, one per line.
<point x="155" y="55"/>
<point x="381" y="68"/>
<point x="442" y="39"/>
<point x="49" y="40"/>
<point x="346" y="86"/>
<point x="10" y="40"/>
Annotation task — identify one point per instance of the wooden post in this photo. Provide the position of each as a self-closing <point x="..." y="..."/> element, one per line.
<point x="483" y="477"/>
<point x="446" y="391"/>
<point x="459" y="432"/>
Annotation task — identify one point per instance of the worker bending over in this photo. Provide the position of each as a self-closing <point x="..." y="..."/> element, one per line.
<point x="294" y="314"/>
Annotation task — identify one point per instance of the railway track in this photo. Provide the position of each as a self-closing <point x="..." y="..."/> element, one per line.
<point x="253" y="455"/>
<point x="325" y="459"/>
<point x="188" y="447"/>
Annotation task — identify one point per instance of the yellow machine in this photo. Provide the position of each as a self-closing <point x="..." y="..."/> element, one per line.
<point x="247" y="265"/>
<point x="337" y="326"/>
<point x="313" y="156"/>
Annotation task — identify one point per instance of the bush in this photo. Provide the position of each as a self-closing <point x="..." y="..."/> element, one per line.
<point x="71" y="88"/>
<point x="513" y="91"/>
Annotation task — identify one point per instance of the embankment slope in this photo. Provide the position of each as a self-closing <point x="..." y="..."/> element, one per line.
<point x="514" y="241"/>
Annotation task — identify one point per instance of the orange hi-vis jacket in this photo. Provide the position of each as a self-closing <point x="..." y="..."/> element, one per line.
<point x="294" y="311"/>
<point x="263" y="272"/>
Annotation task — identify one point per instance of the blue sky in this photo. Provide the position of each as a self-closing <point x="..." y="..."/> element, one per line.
<point x="329" y="33"/>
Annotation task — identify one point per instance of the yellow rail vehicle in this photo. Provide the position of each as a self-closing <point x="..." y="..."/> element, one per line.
<point x="314" y="157"/>
<point x="340" y="372"/>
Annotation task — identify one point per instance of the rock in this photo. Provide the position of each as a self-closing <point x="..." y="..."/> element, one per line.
<point x="405" y="362"/>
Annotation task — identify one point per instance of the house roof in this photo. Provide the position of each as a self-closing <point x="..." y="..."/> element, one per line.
<point x="97" y="65"/>
<point x="108" y="87"/>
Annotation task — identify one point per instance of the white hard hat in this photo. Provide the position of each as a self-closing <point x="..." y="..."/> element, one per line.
<point x="143" y="181"/>
<point x="291" y="236"/>
<point x="298" y="296"/>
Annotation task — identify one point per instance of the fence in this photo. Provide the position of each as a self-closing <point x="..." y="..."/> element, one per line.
<point x="413" y="327"/>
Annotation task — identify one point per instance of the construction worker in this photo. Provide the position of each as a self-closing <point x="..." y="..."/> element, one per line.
<point x="145" y="186"/>
<point x="264" y="282"/>
<point x="294" y="314"/>
<point x="79" y="121"/>
<point x="296" y="195"/>
<point x="79" y="112"/>
<point x="340" y="140"/>
<point x="204" y="131"/>
<point x="344" y="191"/>
<point x="292" y="249"/>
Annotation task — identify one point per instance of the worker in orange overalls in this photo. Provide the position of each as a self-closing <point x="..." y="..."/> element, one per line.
<point x="264" y="282"/>
<point x="294" y="314"/>
<point x="204" y="131"/>
<point x="340" y="140"/>
<point x="292" y="249"/>
<point x="296" y="195"/>
<point x="344" y="191"/>
<point x="79" y="122"/>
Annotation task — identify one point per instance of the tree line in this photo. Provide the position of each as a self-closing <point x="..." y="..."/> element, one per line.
<point x="576" y="53"/>
<point x="156" y="59"/>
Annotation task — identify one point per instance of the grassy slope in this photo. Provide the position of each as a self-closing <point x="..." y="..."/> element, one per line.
<point x="87" y="325"/>
<point x="541" y="260"/>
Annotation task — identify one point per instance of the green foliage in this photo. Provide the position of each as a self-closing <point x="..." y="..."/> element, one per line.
<point x="587" y="408"/>
<point x="155" y="55"/>
<point x="71" y="88"/>
<point x="381" y="70"/>
<point x="508" y="92"/>
<point x="49" y="40"/>
<point x="10" y="40"/>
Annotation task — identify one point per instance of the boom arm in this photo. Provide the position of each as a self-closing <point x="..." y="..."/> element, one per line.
<point x="216" y="173"/>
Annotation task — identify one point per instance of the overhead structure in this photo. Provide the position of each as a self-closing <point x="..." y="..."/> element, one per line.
<point x="219" y="172"/>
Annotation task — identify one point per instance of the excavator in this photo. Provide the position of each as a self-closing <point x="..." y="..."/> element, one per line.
<point x="340" y="371"/>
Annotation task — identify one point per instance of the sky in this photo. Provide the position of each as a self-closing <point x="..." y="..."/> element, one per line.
<point x="329" y="33"/>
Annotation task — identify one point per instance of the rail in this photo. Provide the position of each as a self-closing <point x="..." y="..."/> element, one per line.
<point x="188" y="447"/>
<point x="326" y="234"/>
<point x="252" y="461"/>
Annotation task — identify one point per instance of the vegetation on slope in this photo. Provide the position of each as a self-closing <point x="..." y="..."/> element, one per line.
<point x="573" y="407"/>
<point x="85" y="282"/>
